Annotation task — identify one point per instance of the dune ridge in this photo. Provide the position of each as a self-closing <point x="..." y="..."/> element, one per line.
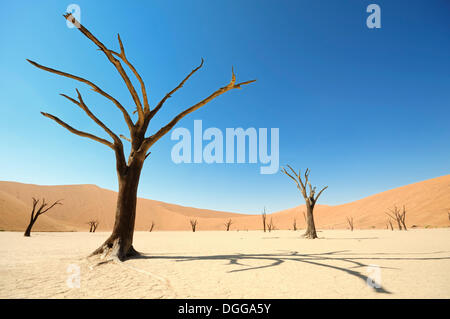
<point x="427" y="204"/>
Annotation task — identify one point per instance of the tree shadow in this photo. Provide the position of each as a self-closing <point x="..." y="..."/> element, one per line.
<point x="317" y="259"/>
<point x="349" y="238"/>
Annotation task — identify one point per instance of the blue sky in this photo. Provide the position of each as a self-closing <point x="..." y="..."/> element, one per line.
<point x="365" y="109"/>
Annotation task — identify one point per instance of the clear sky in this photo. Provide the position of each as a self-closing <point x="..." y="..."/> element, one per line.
<point x="365" y="109"/>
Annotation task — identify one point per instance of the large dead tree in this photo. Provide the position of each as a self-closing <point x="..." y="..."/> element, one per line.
<point x="119" y="244"/>
<point x="38" y="211"/>
<point x="310" y="198"/>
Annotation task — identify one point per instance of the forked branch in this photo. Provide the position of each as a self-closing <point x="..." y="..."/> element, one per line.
<point x="149" y="141"/>
<point x="84" y="107"/>
<point x="77" y="132"/>
<point x="94" y="87"/>
<point x="168" y="95"/>
<point x="301" y="185"/>
<point x="113" y="60"/>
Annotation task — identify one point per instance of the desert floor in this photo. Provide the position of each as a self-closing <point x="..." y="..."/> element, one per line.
<point x="219" y="264"/>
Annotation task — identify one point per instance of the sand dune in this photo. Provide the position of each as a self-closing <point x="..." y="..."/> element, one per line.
<point x="426" y="202"/>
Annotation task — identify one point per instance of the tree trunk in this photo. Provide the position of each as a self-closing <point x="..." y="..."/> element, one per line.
<point x="311" y="227"/>
<point x="120" y="243"/>
<point x="28" y="230"/>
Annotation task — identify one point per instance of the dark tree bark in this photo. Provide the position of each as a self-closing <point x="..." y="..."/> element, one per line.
<point x="193" y="224"/>
<point x="228" y="224"/>
<point x="390" y="224"/>
<point x="119" y="244"/>
<point x="310" y="199"/>
<point x="152" y="226"/>
<point x="350" y="223"/>
<point x="36" y="212"/>
<point x="270" y="225"/>
<point x="93" y="224"/>
<point x="264" y="219"/>
<point x="399" y="217"/>
<point x="310" y="225"/>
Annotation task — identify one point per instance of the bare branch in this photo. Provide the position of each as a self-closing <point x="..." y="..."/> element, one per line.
<point x="77" y="132"/>
<point x="84" y="107"/>
<point x="298" y="180"/>
<point x="320" y="193"/>
<point x="125" y="138"/>
<point x="112" y="59"/>
<point x="58" y="202"/>
<point x="123" y="57"/>
<point x="293" y="178"/>
<point x="152" y="139"/>
<point x="168" y="95"/>
<point x="94" y="87"/>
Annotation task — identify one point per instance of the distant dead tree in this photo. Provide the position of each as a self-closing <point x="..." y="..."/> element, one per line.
<point x="389" y="224"/>
<point x="128" y="166"/>
<point x="38" y="211"/>
<point x="93" y="224"/>
<point x="228" y="224"/>
<point x="310" y="199"/>
<point x="193" y="224"/>
<point x="294" y="224"/>
<point x="350" y="222"/>
<point x="304" y="216"/>
<point x="399" y="217"/>
<point x="152" y="226"/>
<point x="264" y="219"/>
<point x="270" y="225"/>
<point x="448" y="214"/>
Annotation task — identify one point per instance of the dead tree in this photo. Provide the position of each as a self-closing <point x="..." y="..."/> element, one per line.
<point x="399" y="217"/>
<point x="294" y="224"/>
<point x="270" y="225"/>
<point x="228" y="224"/>
<point x="264" y="218"/>
<point x="403" y="217"/>
<point x="310" y="199"/>
<point x="389" y="224"/>
<point x="38" y="211"/>
<point x="120" y="243"/>
<point x="152" y="226"/>
<point x="350" y="222"/>
<point x="93" y="224"/>
<point x="193" y="224"/>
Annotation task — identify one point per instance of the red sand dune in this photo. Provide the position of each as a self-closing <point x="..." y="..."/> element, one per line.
<point x="427" y="204"/>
